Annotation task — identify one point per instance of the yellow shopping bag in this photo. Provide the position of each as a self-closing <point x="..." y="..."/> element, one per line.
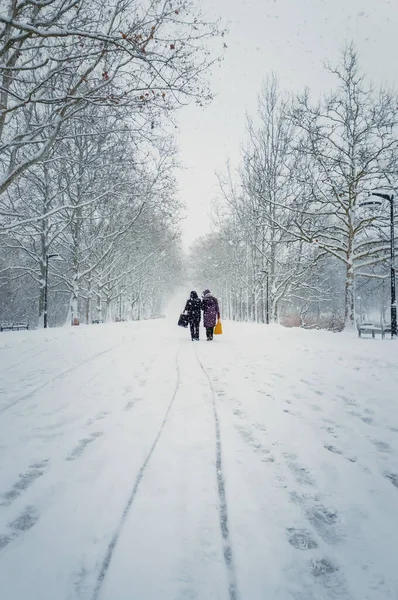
<point x="218" y="328"/>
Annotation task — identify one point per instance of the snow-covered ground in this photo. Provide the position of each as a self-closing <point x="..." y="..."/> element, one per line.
<point x="137" y="465"/>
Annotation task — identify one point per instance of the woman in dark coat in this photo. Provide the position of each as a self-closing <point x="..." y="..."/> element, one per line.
<point x="211" y="312"/>
<point x="192" y="309"/>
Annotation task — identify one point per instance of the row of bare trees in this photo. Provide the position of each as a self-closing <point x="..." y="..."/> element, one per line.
<point x="291" y="215"/>
<point x="87" y="190"/>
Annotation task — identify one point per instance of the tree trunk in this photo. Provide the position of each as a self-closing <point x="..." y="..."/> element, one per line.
<point x="99" y="306"/>
<point x="274" y="313"/>
<point x="108" y="312"/>
<point x="254" y="305"/>
<point x="349" y="318"/>
<point x="75" y="300"/>
<point x="73" y="307"/>
<point x="88" y="310"/>
<point x="89" y="300"/>
<point x="44" y="250"/>
<point x="42" y="284"/>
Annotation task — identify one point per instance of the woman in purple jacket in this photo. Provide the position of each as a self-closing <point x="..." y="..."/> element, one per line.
<point x="211" y="312"/>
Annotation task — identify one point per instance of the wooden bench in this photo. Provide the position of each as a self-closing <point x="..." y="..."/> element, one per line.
<point x="17" y="326"/>
<point x="373" y="330"/>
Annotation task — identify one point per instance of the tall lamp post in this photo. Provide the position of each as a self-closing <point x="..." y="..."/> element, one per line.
<point x="45" y="312"/>
<point x="390" y="198"/>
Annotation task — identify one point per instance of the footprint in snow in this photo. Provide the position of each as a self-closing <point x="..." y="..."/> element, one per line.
<point x="25" y="480"/>
<point x="322" y="567"/>
<point x="354" y="413"/>
<point x="393" y="477"/>
<point x="301" y="539"/>
<point x="348" y="401"/>
<point x="324" y="515"/>
<point x="259" y="427"/>
<point x="131" y="403"/>
<point x="277" y="375"/>
<point x="258" y="448"/>
<point x="335" y="450"/>
<point x="78" y="451"/>
<point x="4" y="541"/>
<point x="382" y="446"/>
<point x="332" y="449"/>
<point x="301" y="474"/>
<point x="324" y="520"/>
<point x="79" y="582"/>
<point x="98" y="417"/>
<point x="26" y="520"/>
<point x="329" y="430"/>
<point x="367" y="420"/>
<point x="293" y="414"/>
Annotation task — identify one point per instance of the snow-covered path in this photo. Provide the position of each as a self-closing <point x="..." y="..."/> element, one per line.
<point x="136" y="465"/>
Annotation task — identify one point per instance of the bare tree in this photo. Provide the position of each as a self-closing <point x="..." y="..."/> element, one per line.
<point x="59" y="57"/>
<point x="348" y="145"/>
<point x="259" y="200"/>
<point x="93" y="201"/>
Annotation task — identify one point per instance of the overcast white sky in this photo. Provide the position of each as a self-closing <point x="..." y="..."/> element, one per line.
<point x="291" y="38"/>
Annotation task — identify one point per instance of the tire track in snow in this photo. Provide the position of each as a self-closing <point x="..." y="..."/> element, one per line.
<point x="228" y="554"/>
<point x="59" y="376"/>
<point x="113" y="543"/>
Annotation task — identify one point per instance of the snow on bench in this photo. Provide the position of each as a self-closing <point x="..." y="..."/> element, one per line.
<point x="372" y="329"/>
<point x="17" y="326"/>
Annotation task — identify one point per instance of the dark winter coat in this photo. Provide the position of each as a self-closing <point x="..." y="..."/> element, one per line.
<point x="211" y="311"/>
<point x="192" y="308"/>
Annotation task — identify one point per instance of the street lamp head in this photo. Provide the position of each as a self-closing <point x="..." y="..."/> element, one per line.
<point x="388" y="197"/>
<point x="56" y="256"/>
<point x="370" y="203"/>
